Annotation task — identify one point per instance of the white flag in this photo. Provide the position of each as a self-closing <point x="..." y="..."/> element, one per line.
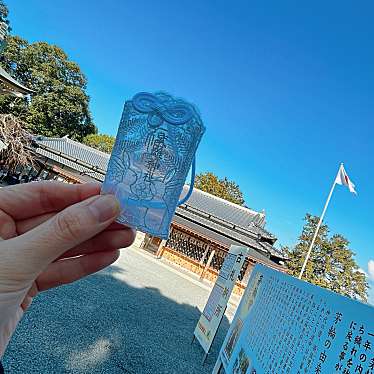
<point x="343" y="179"/>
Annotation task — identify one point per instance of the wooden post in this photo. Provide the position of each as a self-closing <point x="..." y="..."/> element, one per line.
<point x="39" y="172"/>
<point x="201" y="263"/>
<point x="207" y="265"/>
<point x="160" y="249"/>
<point x="147" y="239"/>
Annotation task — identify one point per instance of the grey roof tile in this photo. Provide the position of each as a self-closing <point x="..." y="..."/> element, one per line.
<point x="224" y="209"/>
<point x="221" y="239"/>
<point x="272" y="250"/>
<point x="221" y="230"/>
<point x="74" y="155"/>
<point x="14" y="85"/>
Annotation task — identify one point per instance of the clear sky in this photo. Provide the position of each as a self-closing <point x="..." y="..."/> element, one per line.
<point x="285" y="88"/>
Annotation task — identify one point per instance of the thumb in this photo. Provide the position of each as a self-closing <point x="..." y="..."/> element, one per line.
<point x="70" y="227"/>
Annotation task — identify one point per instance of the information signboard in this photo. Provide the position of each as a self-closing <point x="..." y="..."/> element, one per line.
<point x="284" y="325"/>
<point x="210" y="319"/>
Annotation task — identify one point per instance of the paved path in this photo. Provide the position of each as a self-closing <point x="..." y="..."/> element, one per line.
<point x="138" y="316"/>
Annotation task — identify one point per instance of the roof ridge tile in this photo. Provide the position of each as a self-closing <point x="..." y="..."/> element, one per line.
<point x="85" y="146"/>
<point x="253" y="212"/>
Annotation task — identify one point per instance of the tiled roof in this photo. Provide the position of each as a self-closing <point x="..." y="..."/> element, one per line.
<point x="220" y="233"/>
<point x="10" y="85"/>
<point x="235" y="216"/>
<point x="224" y="209"/>
<point x="74" y="155"/>
<point x="272" y="250"/>
<point x="265" y="234"/>
<point x="224" y="232"/>
<point x="226" y="222"/>
<point x="256" y="254"/>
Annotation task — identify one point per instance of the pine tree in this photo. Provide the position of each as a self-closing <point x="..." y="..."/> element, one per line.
<point x="222" y="188"/>
<point x="331" y="265"/>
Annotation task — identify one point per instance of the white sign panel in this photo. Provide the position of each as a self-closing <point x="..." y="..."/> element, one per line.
<point x="210" y="319"/>
<point x="284" y="325"/>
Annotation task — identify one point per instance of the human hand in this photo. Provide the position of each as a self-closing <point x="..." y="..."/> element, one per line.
<point x="51" y="234"/>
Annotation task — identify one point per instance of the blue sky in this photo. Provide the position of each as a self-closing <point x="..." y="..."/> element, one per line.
<point x="285" y="88"/>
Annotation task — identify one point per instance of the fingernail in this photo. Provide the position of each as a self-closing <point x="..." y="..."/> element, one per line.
<point x="105" y="207"/>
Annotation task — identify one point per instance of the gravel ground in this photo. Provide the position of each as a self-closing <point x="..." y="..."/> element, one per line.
<point x="138" y="316"/>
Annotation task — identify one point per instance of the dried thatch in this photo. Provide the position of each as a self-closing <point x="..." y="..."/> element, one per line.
<point x="15" y="142"/>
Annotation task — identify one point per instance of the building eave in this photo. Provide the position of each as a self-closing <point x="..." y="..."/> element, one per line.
<point x="9" y="85"/>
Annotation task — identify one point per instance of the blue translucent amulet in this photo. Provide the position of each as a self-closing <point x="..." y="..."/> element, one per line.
<point x="155" y="145"/>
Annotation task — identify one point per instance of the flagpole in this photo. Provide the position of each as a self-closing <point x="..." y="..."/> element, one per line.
<point x="318" y="227"/>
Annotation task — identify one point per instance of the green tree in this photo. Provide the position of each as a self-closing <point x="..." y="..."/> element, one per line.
<point x="331" y="265"/>
<point x="102" y="142"/>
<point x="4" y="12"/>
<point x="4" y="24"/>
<point x="223" y="188"/>
<point x="60" y="104"/>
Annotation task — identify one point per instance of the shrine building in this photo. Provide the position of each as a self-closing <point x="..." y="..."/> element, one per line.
<point x="202" y="230"/>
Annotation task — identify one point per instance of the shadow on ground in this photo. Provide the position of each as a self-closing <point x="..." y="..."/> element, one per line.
<point x="103" y="325"/>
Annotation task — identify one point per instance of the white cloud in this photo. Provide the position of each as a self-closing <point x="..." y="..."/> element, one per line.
<point x="371" y="296"/>
<point x="371" y="269"/>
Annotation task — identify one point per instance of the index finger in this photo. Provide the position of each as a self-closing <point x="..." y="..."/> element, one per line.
<point x="32" y="199"/>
